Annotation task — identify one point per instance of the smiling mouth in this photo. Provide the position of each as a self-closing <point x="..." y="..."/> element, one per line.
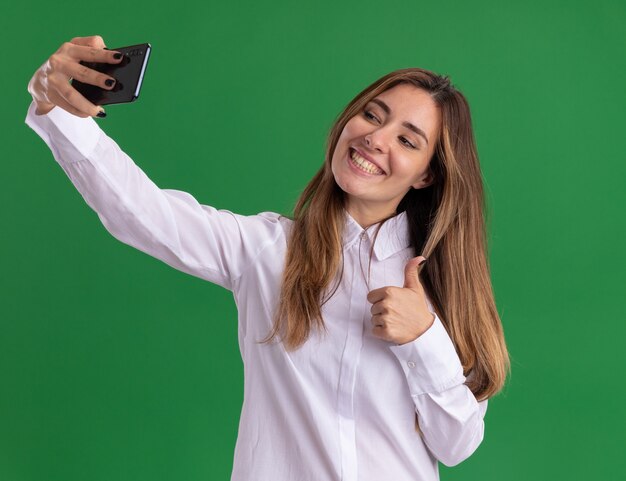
<point x="363" y="164"/>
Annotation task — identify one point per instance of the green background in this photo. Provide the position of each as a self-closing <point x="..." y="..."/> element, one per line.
<point x="114" y="366"/>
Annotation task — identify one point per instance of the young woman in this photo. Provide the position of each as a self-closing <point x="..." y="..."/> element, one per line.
<point x="361" y="361"/>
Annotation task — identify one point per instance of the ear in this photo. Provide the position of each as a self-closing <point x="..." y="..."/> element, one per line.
<point x="427" y="179"/>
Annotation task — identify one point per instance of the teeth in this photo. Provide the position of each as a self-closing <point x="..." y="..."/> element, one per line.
<point x="364" y="164"/>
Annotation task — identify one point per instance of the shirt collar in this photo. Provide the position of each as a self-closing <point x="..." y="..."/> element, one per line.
<point x="392" y="237"/>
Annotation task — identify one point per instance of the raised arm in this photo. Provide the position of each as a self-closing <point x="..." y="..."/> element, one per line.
<point x="171" y="225"/>
<point x="216" y="245"/>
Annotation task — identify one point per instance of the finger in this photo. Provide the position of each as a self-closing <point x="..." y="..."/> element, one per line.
<point x="67" y="62"/>
<point x="85" y="74"/>
<point x="376" y="295"/>
<point x="92" y="41"/>
<point x="380" y="332"/>
<point x="378" y="308"/>
<point x="66" y="96"/>
<point x="377" y="321"/>
<point x="411" y="276"/>
<point x="92" y="54"/>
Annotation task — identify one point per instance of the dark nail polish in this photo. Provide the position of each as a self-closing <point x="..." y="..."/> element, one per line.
<point x="102" y="114"/>
<point x="422" y="262"/>
<point x="109" y="82"/>
<point x="117" y="56"/>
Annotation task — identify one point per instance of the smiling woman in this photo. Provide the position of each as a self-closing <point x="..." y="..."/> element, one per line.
<point x="403" y="146"/>
<point x="389" y="147"/>
<point x="358" y="365"/>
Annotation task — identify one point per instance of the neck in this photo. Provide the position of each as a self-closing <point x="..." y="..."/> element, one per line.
<point x="367" y="215"/>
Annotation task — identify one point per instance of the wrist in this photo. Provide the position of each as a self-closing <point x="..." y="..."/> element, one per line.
<point x="414" y="337"/>
<point x="43" y="108"/>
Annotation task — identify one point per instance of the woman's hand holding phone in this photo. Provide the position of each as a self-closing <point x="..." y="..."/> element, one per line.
<point x="50" y="85"/>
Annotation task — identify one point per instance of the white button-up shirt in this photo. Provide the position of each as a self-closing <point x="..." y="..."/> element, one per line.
<point x="342" y="406"/>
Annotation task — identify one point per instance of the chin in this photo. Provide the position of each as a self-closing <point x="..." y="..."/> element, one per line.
<point x="346" y="184"/>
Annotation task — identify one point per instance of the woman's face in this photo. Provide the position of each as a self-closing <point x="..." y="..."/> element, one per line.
<point x="394" y="138"/>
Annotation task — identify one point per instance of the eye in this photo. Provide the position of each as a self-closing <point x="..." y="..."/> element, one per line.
<point x="407" y="143"/>
<point x="368" y="115"/>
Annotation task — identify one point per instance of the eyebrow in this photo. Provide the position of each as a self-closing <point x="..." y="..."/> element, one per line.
<point x="408" y="125"/>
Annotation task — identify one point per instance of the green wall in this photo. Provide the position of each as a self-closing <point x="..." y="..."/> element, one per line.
<point x="114" y="366"/>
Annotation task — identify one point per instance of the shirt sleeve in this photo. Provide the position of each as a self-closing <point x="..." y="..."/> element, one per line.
<point x="170" y="225"/>
<point x="450" y="417"/>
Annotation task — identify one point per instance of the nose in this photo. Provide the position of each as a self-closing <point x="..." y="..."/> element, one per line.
<point x="374" y="140"/>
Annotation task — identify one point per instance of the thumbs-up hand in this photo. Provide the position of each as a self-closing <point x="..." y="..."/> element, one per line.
<point x="400" y="314"/>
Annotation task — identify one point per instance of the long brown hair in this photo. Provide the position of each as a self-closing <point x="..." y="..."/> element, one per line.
<point x="447" y="226"/>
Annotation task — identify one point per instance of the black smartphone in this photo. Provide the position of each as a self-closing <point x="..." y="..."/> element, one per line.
<point x="128" y="75"/>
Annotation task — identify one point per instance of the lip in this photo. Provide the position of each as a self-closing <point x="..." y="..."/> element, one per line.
<point x="366" y="157"/>
<point x="359" y="171"/>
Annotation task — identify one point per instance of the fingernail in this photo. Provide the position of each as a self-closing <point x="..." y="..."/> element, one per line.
<point x="423" y="260"/>
<point x="117" y="56"/>
<point x="109" y="82"/>
<point x="102" y="114"/>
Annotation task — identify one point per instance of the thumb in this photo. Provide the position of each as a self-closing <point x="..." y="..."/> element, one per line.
<point x="95" y="41"/>
<point x="411" y="277"/>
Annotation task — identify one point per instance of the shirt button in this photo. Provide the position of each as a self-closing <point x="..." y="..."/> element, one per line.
<point x="411" y="364"/>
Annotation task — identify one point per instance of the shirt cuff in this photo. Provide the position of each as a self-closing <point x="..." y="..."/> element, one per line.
<point x="430" y="362"/>
<point x="71" y="138"/>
